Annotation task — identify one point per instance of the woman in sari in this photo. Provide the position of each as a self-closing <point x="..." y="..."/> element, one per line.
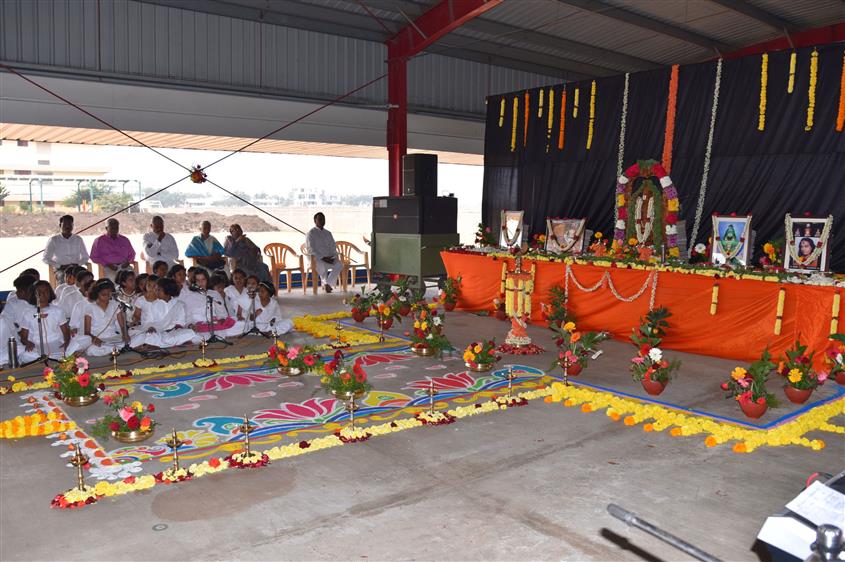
<point x="246" y="255"/>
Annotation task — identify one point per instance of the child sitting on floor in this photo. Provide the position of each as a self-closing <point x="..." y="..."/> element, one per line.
<point x="167" y="318"/>
<point x="53" y="337"/>
<point x="103" y="323"/>
<point x="268" y="314"/>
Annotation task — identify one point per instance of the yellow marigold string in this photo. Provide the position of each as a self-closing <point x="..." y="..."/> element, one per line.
<point x="764" y="81"/>
<point x="550" y="119"/>
<point x="501" y="112"/>
<point x="513" y="122"/>
<point x="834" y="313"/>
<point x="792" y="60"/>
<point x="575" y="103"/>
<point x="540" y="105"/>
<point x="592" y="115"/>
<point x="840" y="115"/>
<point x="811" y="91"/>
<point x="779" y="312"/>
<point x="563" y="119"/>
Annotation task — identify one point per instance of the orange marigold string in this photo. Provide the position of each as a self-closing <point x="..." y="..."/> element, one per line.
<point x="563" y="118"/>
<point x="525" y="124"/>
<point x="840" y="115"/>
<point x="671" y="107"/>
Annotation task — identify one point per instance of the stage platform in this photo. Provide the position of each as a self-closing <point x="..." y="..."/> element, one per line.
<point x="206" y="405"/>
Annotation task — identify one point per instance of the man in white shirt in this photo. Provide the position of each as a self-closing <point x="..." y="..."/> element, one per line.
<point x="320" y="243"/>
<point x="66" y="248"/>
<point x="158" y="245"/>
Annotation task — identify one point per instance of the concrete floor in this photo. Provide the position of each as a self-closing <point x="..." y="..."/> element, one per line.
<point x="529" y="483"/>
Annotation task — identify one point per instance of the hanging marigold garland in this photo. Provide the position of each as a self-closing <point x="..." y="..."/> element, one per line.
<point x="793" y="57"/>
<point x="563" y="119"/>
<point x="513" y="122"/>
<point x="525" y="123"/>
<point x="551" y="117"/>
<point x="671" y="106"/>
<point x="764" y="81"/>
<point x="620" y="153"/>
<point x="575" y="103"/>
<point x="811" y="91"/>
<point x="840" y="115"/>
<point x="502" y="112"/>
<point x="540" y="106"/>
<point x="592" y="115"/>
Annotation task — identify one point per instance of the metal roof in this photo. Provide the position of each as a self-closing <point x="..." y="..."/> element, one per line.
<point x="569" y="39"/>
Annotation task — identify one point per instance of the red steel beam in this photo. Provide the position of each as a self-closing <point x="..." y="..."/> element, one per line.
<point x="443" y="18"/>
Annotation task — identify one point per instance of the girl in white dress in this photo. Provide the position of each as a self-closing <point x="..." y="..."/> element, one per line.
<point x="69" y="279"/>
<point x="239" y="300"/>
<point x="102" y="323"/>
<point x="173" y="319"/>
<point x="197" y="301"/>
<point x="146" y="314"/>
<point x="75" y="295"/>
<point x="54" y="326"/>
<point x="126" y="288"/>
<point x="268" y="313"/>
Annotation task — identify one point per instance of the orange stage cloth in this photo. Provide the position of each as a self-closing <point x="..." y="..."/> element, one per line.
<point x="741" y="329"/>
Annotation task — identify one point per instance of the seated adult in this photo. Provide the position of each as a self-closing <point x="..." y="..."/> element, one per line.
<point x="205" y="249"/>
<point x="66" y="248"/>
<point x="245" y="254"/>
<point x="320" y="243"/>
<point x="17" y="305"/>
<point x="112" y="250"/>
<point x="159" y="245"/>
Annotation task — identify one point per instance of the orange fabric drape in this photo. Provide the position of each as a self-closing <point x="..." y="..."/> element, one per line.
<point x="741" y="329"/>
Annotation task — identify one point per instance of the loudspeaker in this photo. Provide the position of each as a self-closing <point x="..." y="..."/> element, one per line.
<point x="419" y="175"/>
<point x="415" y="215"/>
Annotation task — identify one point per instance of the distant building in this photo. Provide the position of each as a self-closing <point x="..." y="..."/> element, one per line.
<point x="311" y="197"/>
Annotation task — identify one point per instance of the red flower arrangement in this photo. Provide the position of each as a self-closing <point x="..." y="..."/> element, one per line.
<point x="123" y="417"/>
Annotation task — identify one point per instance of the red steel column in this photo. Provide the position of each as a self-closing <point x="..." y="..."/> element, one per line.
<point x="397" y="118"/>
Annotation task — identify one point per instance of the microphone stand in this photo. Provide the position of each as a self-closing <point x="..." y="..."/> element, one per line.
<point x="209" y="301"/>
<point x="124" y="331"/>
<point x="254" y="329"/>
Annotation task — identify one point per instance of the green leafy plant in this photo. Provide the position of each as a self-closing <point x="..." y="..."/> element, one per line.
<point x="123" y="417"/>
<point x="575" y="347"/>
<point x="71" y="378"/>
<point x="555" y="312"/>
<point x="339" y="378"/>
<point x="484" y="236"/>
<point x="797" y="368"/>
<point x="649" y="363"/>
<point x="427" y="331"/>
<point x="749" y="385"/>
<point x="450" y="290"/>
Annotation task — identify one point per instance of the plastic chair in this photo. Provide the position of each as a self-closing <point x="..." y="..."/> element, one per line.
<point x="278" y="254"/>
<point x="101" y="272"/>
<point x="149" y="268"/>
<point x="312" y="271"/>
<point x="344" y="250"/>
<point x="52" y="274"/>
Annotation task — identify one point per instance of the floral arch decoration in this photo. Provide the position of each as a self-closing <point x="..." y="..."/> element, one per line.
<point x="647" y="210"/>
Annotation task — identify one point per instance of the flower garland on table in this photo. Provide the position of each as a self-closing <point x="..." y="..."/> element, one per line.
<point x="592" y="115"/>
<point x="514" y="117"/>
<point x="560" y="137"/>
<point x="764" y="80"/>
<point x="840" y="113"/>
<point x="216" y="465"/>
<point x="651" y="280"/>
<point x="834" y="314"/>
<point x="633" y="412"/>
<point x="791" y="84"/>
<point x="817" y="251"/>
<point x="811" y="91"/>
<point x="241" y="460"/>
<point x="671" y="107"/>
<point x="779" y="310"/>
<point x="708" y="151"/>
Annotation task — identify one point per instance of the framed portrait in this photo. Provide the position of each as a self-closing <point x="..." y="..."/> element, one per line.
<point x="732" y="238"/>
<point x="512" y="227"/>
<point x="806" y="248"/>
<point x="565" y="235"/>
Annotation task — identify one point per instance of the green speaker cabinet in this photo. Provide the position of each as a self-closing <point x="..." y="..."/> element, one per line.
<point x="411" y="254"/>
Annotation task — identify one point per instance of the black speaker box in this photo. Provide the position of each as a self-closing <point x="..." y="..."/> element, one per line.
<point x="419" y="175"/>
<point x="415" y="215"/>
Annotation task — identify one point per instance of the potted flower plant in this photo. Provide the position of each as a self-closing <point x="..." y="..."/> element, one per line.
<point x="575" y="348"/>
<point x="797" y="369"/>
<point x="555" y="313"/>
<point x="403" y="296"/>
<point x="484" y="237"/>
<point x="450" y="292"/>
<point x="427" y="334"/>
<point x="342" y="381"/>
<point x="72" y="382"/>
<point x="481" y="356"/>
<point x="360" y="306"/>
<point x="649" y="367"/>
<point x="748" y="387"/>
<point x="836" y="356"/>
<point x="385" y="313"/>
<point x="291" y="360"/>
<point x="127" y="423"/>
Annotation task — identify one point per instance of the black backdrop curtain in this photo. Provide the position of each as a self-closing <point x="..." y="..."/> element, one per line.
<point x="782" y="169"/>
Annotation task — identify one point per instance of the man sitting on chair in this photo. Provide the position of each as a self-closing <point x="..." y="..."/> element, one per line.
<point x="66" y="248"/>
<point x="320" y="243"/>
<point x="206" y="250"/>
<point x="112" y="250"/>
<point x="159" y="245"/>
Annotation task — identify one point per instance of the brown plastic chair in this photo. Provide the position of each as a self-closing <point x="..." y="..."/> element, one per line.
<point x="102" y="272"/>
<point x="345" y="249"/>
<point x="278" y="254"/>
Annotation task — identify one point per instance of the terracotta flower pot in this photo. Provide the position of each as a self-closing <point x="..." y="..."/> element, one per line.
<point x="752" y="409"/>
<point x="386" y="323"/>
<point x="797" y="396"/>
<point x="574" y="370"/>
<point x="653" y="387"/>
<point x="840" y="378"/>
<point x="359" y="316"/>
<point x="501" y="314"/>
<point x="449" y="305"/>
<point x="405" y="310"/>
